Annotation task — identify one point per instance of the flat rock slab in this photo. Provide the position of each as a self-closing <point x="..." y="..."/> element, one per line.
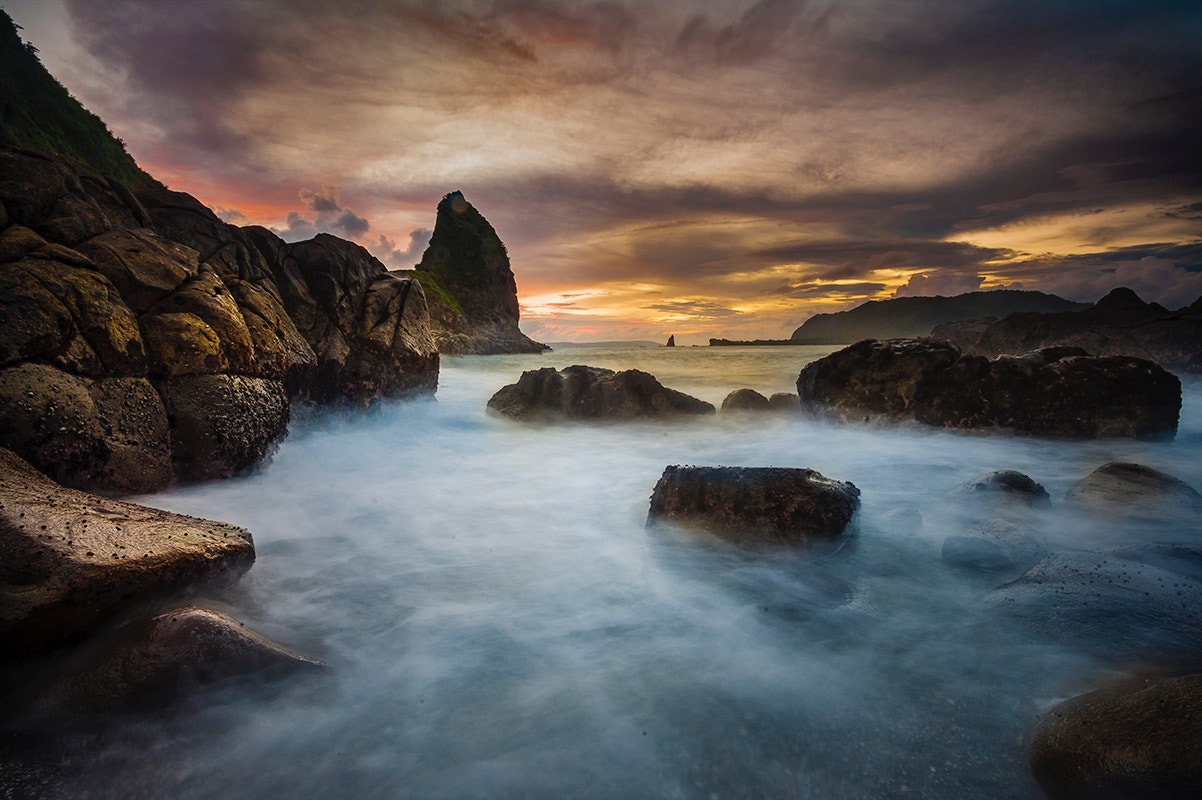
<point x="70" y="559"/>
<point x="771" y="505"/>
<point x="591" y="393"/>
<point x="1137" y="739"/>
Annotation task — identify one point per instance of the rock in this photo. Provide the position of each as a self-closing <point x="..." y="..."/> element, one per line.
<point x="1128" y="604"/>
<point x="1124" y="489"/>
<point x="671" y="341"/>
<point x="108" y="434"/>
<point x="222" y="424"/>
<point x="903" y="520"/>
<point x="1057" y="392"/>
<point x="773" y="505"/>
<point x="745" y="400"/>
<point x="170" y="655"/>
<point x="1136" y="739"/>
<point x="1118" y="324"/>
<point x="470" y="286"/>
<point x="591" y="393"/>
<point x="70" y="559"/>
<point x="784" y="401"/>
<point x="994" y="546"/>
<point x="1005" y="486"/>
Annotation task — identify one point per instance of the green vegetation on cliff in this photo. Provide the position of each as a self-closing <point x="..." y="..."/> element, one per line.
<point x="38" y="113"/>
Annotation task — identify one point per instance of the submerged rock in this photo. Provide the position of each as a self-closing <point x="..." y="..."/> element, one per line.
<point x="773" y="505"/>
<point x="1133" y="490"/>
<point x="70" y="559"/>
<point x="1137" y="739"/>
<point x="1134" y="603"/>
<point x="994" y="546"/>
<point x="1005" y="486"/>
<point x="591" y="393"/>
<point x="745" y="400"/>
<point x="167" y="656"/>
<point x="1059" y="391"/>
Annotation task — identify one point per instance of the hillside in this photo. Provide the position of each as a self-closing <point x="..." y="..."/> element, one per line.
<point x="916" y="316"/>
<point x="38" y="113"/>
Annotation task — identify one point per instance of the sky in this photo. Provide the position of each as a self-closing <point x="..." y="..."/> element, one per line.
<point x="724" y="168"/>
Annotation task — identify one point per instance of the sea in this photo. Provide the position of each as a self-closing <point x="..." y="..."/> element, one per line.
<point x="498" y="621"/>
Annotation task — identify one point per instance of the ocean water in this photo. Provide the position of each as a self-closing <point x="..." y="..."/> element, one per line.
<point x="498" y="622"/>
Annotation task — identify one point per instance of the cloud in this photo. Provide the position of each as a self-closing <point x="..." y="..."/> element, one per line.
<point x="939" y="283"/>
<point x="328" y="216"/>
<point x="387" y="251"/>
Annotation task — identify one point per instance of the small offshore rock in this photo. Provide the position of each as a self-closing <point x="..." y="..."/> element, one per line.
<point x="773" y="505"/>
<point x="69" y="559"/>
<point x="784" y="401"/>
<point x="1133" y="490"/>
<point x="745" y="400"/>
<point x="591" y="393"/>
<point x="1136" y="739"/>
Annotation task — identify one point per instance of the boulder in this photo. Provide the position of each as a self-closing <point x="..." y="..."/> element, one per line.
<point x="745" y="400"/>
<point x="169" y="655"/>
<point x="771" y="505"/>
<point x="1059" y="391"/>
<point x="222" y="424"/>
<point x="997" y="545"/>
<point x="1137" y="739"/>
<point x="1133" y="490"/>
<point x="1136" y="603"/>
<point x="591" y="393"/>
<point x="784" y="401"/>
<point x="70" y="559"/>
<point x="1003" y="487"/>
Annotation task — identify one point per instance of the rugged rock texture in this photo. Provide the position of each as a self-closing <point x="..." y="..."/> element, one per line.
<point x="1137" y="739"/>
<point x="745" y="400"/>
<point x="69" y="559"/>
<point x="771" y="505"/>
<point x="591" y="393"/>
<point x="167" y="656"/>
<point x="1124" y="489"/>
<point x="1119" y="324"/>
<point x="1130" y="604"/>
<point x="915" y="316"/>
<point x="1061" y="392"/>
<point x="122" y="318"/>
<point x="470" y="286"/>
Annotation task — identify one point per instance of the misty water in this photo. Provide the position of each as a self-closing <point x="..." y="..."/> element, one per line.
<point x="498" y="622"/>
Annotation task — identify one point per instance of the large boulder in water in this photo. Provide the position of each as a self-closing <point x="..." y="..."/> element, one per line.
<point x="1135" y="603"/>
<point x="1137" y="739"/>
<point x="1059" y="391"/>
<point x="745" y="400"/>
<point x="169" y="655"/>
<point x="772" y="505"/>
<point x="70" y="559"/>
<point x="591" y="393"/>
<point x="1125" y="489"/>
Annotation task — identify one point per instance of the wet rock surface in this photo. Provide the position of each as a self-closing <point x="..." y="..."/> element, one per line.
<point x="1136" y="739"/>
<point x="1134" y="490"/>
<point x="770" y="505"/>
<point x="70" y="559"/>
<point x="1057" y="392"/>
<point x="591" y="393"/>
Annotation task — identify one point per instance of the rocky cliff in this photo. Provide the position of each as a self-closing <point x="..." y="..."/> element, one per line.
<point x="1118" y="324"/>
<point x="915" y="316"/>
<point x="469" y="285"/>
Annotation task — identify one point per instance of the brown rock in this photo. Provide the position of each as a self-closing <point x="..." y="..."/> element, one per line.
<point x="1124" y="489"/>
<point x="591" y="393"/>
<point x="745" y="400"/>
<point x="71" y="559"/>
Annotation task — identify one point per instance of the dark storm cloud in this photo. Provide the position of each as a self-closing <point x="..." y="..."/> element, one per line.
<point x="696" y="309"/>
<point x="809" y="291"/>
<point x="396" y="257"/>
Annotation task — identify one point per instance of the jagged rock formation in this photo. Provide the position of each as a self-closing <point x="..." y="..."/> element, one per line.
<point x="470" y="288"/>
<point x="591" y="393"/>
<point x="905" y="317"/>
<point x="1062" y="392"/>
<point x="1118" y="324"/>
<point x="70" y="559"/>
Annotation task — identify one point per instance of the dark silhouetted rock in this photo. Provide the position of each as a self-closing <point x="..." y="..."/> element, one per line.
<point x="773" y="505"/>
<point x="591" y="393"/>
<point x="1137" y="739"/>
<point x="784" y="401"/>
<point x="471" y="290"/>
<point x="167" y="656"/>
<point x="70" y="559"/>
<point x="1058" y="392"/>
<point x="1123" y="489"/>
<point x="1127" y="604"/>
<point x="1118" y="324"/>
<point x="745" y="400"/>
<point x="671" y="341"/>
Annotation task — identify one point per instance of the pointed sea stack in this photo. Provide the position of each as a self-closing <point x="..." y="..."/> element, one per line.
<point x="469" y="285"/>
<point x="671" y="341"/>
